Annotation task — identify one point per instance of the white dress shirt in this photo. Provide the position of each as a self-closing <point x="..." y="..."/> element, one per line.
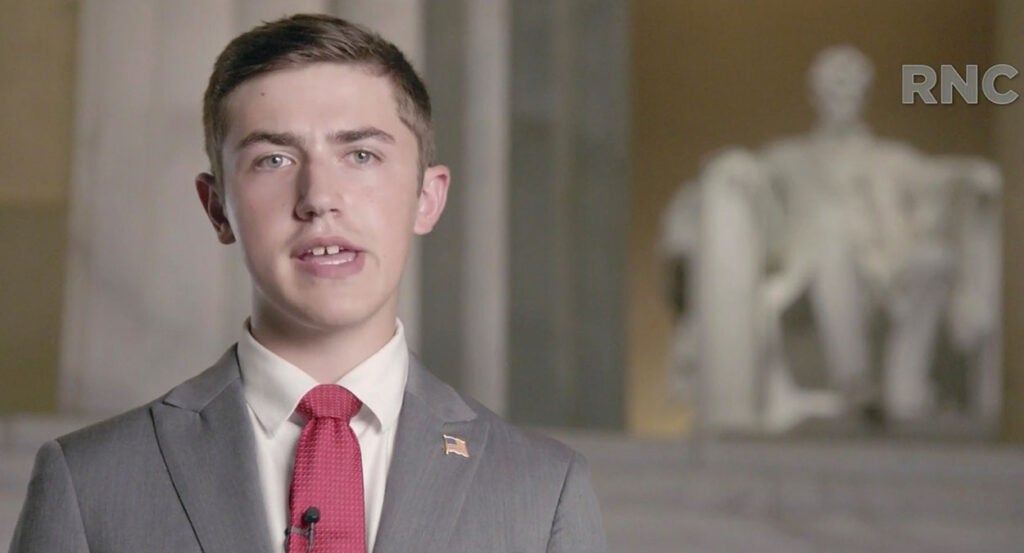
<point x="273" y="388"/>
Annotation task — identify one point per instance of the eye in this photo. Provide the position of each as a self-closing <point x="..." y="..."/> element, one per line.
<point x="273" y="161"/>
<point x="363" y="157"/>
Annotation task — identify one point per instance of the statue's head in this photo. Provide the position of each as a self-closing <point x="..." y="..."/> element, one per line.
<point x="839" y="80"/>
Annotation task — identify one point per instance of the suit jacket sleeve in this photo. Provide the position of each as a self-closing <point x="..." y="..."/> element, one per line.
<point x="50" y="520"/>
<point x="577" y="525"/>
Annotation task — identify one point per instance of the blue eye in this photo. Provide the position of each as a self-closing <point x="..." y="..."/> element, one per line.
<point x="273" y="161"/>
<point x="363" y="157"/>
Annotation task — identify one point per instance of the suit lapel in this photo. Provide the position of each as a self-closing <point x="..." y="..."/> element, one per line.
<point x="206" y="440"/>
<point x="425" y="487"/>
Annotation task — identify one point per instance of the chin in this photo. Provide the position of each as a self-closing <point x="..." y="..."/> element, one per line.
<point x="326" y="310"/>
<point x="336" y="320"/>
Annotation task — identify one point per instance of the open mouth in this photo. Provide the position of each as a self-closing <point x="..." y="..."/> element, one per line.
<point x="329" y="255"/>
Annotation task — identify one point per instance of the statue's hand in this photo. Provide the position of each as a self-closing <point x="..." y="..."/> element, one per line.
<point x="984" y="177"/>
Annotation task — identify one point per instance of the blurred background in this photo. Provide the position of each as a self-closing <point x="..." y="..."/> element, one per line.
<point x="547" y="290"/>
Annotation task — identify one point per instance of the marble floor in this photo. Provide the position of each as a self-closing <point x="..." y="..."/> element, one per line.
<point x="793" y="497"/>
<point x="746" y="495"/>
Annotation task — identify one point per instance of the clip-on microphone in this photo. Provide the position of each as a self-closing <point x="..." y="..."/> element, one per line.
<point x="309" y="518"/>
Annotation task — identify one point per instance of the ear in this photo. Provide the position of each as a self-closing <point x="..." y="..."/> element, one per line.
<point x="213" y="203"/>
<point x="433" y="195"/>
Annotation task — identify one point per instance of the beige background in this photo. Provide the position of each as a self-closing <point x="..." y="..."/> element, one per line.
<point x="37" y="51"/>
<point x="1008" y="141"/>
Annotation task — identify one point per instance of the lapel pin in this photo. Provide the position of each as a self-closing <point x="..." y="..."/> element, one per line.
<point x="457" y="446"/>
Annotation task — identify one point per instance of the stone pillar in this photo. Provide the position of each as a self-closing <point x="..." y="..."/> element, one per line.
<point x="485" y="266"/>
<point x="465" y="258"/>
<point x="568" y="202"/>
<point x="1009" y="142"/>
<point x="441" y="303"/>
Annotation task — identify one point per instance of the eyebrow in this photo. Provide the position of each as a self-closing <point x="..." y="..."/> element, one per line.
<point x="362" y="133"/>
<point x="293" y="140"/>
<point x="275" y="138"/>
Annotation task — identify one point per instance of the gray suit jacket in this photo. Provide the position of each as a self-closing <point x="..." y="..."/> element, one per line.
<point x="180" y="474"/>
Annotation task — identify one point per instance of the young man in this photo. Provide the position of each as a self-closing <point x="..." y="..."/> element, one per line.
<point x="317" y="431"/>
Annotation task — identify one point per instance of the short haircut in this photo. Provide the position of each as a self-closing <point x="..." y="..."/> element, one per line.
<point x="312" y="38"/>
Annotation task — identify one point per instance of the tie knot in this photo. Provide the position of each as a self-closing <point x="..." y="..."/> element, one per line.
<point x="329" y="401"/>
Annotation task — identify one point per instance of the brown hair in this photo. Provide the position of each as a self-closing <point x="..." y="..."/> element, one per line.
<point x="312" y="38"/>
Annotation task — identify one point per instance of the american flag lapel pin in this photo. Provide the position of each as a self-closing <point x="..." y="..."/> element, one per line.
<point x="457" y="446"/>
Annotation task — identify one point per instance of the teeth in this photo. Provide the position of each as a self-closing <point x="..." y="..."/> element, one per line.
<point x="325" y="250"/>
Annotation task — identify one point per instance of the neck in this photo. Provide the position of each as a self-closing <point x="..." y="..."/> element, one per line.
<point x="841" y="129"/>
<point x="324" y="354"/>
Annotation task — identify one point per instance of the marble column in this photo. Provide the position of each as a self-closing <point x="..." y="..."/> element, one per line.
<point x="465" y="259"/>
<point x="441" y="347"/>
<point x="485" y="265"/>
<point x="568" y="200"/>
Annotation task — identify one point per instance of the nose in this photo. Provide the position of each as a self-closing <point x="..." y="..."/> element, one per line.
<point x="319" y="192"/>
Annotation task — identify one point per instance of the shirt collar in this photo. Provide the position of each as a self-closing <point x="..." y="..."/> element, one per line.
<point x="273" y="387"/>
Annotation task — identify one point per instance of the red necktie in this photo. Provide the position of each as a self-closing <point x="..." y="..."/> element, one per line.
<point x="328" y="476"/>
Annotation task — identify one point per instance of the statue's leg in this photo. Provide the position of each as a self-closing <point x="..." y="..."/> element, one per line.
<point x="840" y="306"/>
<point x="915" y="315"/>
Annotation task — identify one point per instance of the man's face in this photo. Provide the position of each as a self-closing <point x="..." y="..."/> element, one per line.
<point x="321" y="189"/>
